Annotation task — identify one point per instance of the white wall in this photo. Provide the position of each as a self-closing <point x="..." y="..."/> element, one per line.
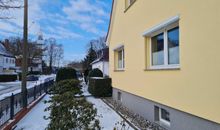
<point x="9" y="62"/>
<point x="106" y="68"/>
<point x="103" y="66"/>
<point x="1" y="61"/>
<point x="6" y="65"/>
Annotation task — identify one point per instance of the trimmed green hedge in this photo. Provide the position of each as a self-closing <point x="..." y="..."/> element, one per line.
<point x="95" y="73"/>
<point x="8" y="78"/>
<point x="69" y="85"/>
<point x="100" y="87"/>
<point x="66" y="73"/>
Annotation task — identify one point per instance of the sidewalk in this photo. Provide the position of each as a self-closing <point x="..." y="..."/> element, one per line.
<point x="34" y="120"/>
<point x="108" y="117"/>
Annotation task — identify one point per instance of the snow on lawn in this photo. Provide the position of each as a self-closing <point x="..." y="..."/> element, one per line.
<point x="34" y="120"/>
<point x="108" y="118"/>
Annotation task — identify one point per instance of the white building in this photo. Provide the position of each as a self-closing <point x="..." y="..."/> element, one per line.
<point x="36" y="63"/>
<point x="7" y="61"/>
<point x="102" y="62"/>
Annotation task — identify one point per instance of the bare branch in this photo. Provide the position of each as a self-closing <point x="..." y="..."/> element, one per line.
<point x="7" y="6"/>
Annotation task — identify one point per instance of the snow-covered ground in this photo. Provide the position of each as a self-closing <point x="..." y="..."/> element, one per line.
<point x="108" y="117"/>
<point x="34" y="120"/>
<point x="7" y="88"/>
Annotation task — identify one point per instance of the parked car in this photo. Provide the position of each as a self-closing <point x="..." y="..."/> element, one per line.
<point x="32" y="78"/>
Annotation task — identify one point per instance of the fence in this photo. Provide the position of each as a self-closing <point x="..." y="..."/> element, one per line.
<point x="11" y="105"/>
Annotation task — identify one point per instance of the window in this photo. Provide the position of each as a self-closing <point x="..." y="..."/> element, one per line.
<point x="165" y="48"/>
<point x="6" y="60"/>
<point x="164" y="116"/>
<point x="119" y="58"/>
<point x="157" y="48"/>
<point x="119" y="96"/>
<point x="173" y="46"/>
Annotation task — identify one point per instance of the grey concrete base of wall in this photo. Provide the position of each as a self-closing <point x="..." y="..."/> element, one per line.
<point x="178" y="120"/>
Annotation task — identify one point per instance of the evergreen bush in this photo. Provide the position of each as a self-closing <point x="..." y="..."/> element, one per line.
<point x="95" y="73"/>
<point x="68" y="112"/>
<point x="100" y="87"/>
<point x="66" y="73"/>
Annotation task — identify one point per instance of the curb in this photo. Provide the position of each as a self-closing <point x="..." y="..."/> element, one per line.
<point x="9" y="125"/>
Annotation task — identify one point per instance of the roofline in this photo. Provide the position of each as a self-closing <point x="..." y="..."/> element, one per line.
<point x="109" y="25"/>
<point x="7" y="56"/>
<point x="98" y="61"/>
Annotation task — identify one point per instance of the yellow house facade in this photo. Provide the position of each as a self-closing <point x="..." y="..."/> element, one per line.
<point x="165" y="61"/>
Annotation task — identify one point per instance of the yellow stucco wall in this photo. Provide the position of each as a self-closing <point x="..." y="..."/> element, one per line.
<point x="195" y="88"/>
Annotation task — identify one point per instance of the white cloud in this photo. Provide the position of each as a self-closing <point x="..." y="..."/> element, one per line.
<point x="87" y="14"/>
<point x="60" y="32"/>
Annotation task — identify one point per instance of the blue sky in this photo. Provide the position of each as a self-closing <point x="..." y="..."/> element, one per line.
<point x="72" y="22"/>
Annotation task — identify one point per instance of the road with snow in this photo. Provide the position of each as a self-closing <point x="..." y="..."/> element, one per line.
<point x="7" y="88"/>
<point x="12" y="86"/>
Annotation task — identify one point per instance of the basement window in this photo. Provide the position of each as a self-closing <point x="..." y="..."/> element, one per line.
<point x="119" y="96"/>
<point x="162" y="116"/>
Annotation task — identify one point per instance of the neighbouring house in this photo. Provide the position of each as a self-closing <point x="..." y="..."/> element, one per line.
<point x="165" y="61"/>
<point x="7" y="61"/>
<point x="102" y="61"/>
<point x="35" y="63"/>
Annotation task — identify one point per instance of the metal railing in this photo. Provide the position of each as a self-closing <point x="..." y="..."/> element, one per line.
<point x="11" y="105"/>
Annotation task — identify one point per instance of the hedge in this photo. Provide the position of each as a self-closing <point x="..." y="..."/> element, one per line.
<point x="69" y="85"/>
<point x="95" y="73"/>
<point x="100" y="87"/>
<point x="66" y="73"/>
<point x="8" y="78"/>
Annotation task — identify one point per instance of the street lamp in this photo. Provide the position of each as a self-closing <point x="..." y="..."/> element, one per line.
<point x="24" y="59"/>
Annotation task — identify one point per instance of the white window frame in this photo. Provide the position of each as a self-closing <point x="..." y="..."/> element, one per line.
<point x="165" y="122"/>
<point x="166" y="65"/>
<point x="117" y="49"/>
<point x="157" y="29"/>
<point x="122" y="59"/>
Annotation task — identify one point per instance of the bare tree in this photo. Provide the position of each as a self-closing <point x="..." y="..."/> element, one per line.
<point x="54" y="52"/>
<point x="60" y="52"/>
<point x="51" y="42"/>
<point x="7" y="5"/>
<point x="15" y="46"/>
<point x="97" y="44"/>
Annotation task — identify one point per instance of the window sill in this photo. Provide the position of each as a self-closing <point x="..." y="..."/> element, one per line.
<point x="119" y="70"/>
<point x="129" y="6"/>
<point x="152" y="68"/>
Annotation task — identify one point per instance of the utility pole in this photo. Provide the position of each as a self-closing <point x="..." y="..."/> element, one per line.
<point x="24" y="59"/>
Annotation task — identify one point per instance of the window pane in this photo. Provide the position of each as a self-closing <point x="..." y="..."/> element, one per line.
<point x="173" y="46"/>
<point x="165" y="115"/>
<point x="120" y="65"/>
<point x="157" y="49"/>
